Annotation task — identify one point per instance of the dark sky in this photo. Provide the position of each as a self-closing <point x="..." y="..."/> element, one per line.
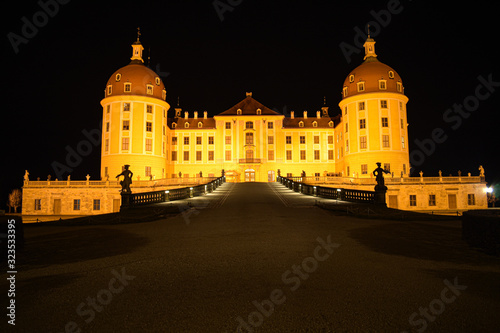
<point x="286" y="52"/>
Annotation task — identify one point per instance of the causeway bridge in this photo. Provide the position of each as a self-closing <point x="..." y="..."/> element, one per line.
<point x="254" y="257"/>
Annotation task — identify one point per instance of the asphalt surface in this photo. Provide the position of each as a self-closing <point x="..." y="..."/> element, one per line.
<point x="259" y="258"/>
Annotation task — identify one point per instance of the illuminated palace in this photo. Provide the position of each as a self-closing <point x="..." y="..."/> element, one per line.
<point x="251" y="142"/>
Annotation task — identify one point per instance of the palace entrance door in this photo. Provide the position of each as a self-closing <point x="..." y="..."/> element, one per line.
<point x="249" y="175"/>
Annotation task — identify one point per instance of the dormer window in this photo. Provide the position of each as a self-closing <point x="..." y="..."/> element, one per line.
<point x="351" y="78"/>
<point x="118" y="77"/>
<point x="200" y="124"/>
<point x="259" y="111"/>
<point x="174" y="125"/>
<point x="127" y="87"/>
<point x="149" y="88"/>
<point x="157" y="81"/>
<point x="301" y="124"/>
<point x="391" y="75"/>
<point x="399" y="87"/>
<point x="344" y="91"/>
<point x="110" y="89"/>
<point x="382" y="84"/>
<point x="330" y="124"/>
<point x="361" y="86"/>
<point x="315" y="124"/>
<point x="238" y="111"/>
<point x="186" y="125"/>
<point x="164" y="94"/>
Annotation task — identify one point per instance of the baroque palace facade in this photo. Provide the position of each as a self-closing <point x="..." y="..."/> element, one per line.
<point x="251" y="142"/>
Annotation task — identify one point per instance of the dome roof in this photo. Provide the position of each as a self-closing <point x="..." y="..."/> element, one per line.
<point x="139" y="77"/>
<point x="135" y="78"/>
<point x="376" y="76"/>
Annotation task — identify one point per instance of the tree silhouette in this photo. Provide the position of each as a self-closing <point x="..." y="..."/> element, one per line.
<point x="15" y="199"/>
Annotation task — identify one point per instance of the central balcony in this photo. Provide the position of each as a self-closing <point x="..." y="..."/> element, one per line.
<point x="249" y="160"/>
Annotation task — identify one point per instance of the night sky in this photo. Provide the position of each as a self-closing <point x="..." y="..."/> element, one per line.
<point x="286" y="52"/>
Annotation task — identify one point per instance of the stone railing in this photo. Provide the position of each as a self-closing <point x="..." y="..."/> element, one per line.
<point x="148" y="198"/>
<point x="388" y="180"/>
<point x="327" y="192"/>
<point x="115" y="183"/>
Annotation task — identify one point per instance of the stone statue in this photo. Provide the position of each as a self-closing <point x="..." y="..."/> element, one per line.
<point x="88" y="177"/>
<point x="379" y="177"/>
<point x="459" y="173"/>
<point x="180" y="174"/>
<point x="201" y="174"/>
<point x="421" y="173"/>
<point x="26" y="176"/>
<point x="127" y="179"/>
<point x="440" y="173"/>
<point x="481" y="171"/>
<point x="303" y="174"/>
<point x="48" y="177"/>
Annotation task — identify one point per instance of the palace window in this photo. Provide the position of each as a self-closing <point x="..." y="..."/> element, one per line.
<point x="149" y="126"/>
<point x="107" y="126"/>
<point x="108" y="108"/>
<point x="174" y="140"/>
<point x="147" y="171"/>
<point x="106" y="145"/>
<point x="344" y="91"/>
<point x="149" y="88"/>
<point x="97" y="204"/>
<point x="382" y="84"/>
<point x="200" y="124"/>
<point x="288" y="139"/>
<point x="346" y="145"/>
<point x="249" y="138"/>
<point x="198" y="155"/>
<point x="413" y="200"/>
<point x="118" y="77"/>
<point x="249" y="125"/>
<point x="149" y="145"/>
<point x="432" y="200"/>
<point x="301" y="124"/>
<point x="385" y="122"/>
<point x="383" y="104"/>
<point x="174" y="156"/>
<point x="330" y="124"/>
<point x="270" y="155"/>
<point x="149" y="108"/>
<point x="316" y="155"/>
<point x="362" y="142"/>
<point x="125" y="143"/>
<point x="228" y="125"/>
<point x="127" y="87"/>
<point x="302" y="155"/>
<point x="126" y="125"/>
<point x="110" y="89"/>
<point x="157" y="81"/>
<point x="210" y="155"/>
<point x="330" y="154"/>
<point x="399" y="87"/>
<point x="330" y="139"/>
<point x="174" y="125"/>
<point x="228" y="139"/>
<point x="288" y="155"/>
<point x="186" y="140"/>
<point x="270" y="140"/>
<point x="385" y="141"/>
<point x="210" y="140"/>
<point x="126" y="106"/>
<point x="198" y="140"/>
<point x="259" y="111"/>
<point x="238" y="112"/>
<point x="362" y="123"/>
<point x="361" y="86"/>
<point x="270" y="125"/>
<point x="403" y="145"/>
<point x="361" y="106"/>
<point x="302" y="139"/>
<point x="316" y="139"/>
<point x="391" y="75"/>
<point x="76" y="204"/>
<point x="163" y="94"/>
<point x="387" y="167"/>
<point x="228" y="155"/>
<point x="38" y="204"/>
<point x="186" y="125"/>
<point x="471" y="199"/>
<point x="346" y="127"/>
<point x="315" y="124"/>
<point x="364" y="169"/>
<point x="186" y="155"/>
<point x="351" y="78"/>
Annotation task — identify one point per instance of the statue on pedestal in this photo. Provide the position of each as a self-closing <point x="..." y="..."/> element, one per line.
<point x="481" y="171"/>
<point x="379" y="177"/>
<point x="127" y="179"/>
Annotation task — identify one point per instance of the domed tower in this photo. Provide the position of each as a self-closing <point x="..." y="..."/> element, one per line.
<point x="374" y="118"/>
<point x="134" y="121"/>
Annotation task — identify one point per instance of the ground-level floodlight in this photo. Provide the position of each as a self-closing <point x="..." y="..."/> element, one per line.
<point x="488" y="190"/>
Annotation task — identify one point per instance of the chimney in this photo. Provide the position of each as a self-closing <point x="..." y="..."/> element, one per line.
<point x="186" y="115"/>
<point x="178" y="112"/>
<point x="318" y="114"/>
<point x="195" y="115"/>
<point x="305" y="114"/>
<point x="325" y="111"/>
<point x="205" y="114"/>
<point x="292" y="114"/>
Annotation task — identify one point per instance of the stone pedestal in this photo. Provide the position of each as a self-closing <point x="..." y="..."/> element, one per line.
<point x="380" y="192"/>
<point x="125" y="201"/>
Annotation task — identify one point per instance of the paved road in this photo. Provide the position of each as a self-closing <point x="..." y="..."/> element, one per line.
<point x="259" y="257"/>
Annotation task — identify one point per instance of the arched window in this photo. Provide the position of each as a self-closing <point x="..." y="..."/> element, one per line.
<point x="238" y="111"/>
<point x="301" y="124"/>
<point x="200" y="124"/>
<point x="315" y="124"/>
<point x="186" y="125"/>
<point x="259" y="111"/>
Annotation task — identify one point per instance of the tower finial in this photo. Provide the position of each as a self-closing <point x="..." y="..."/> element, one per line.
<point x="138" y="33"/>
<point x="368" y="30"/>
<point x="324" y="100"/>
